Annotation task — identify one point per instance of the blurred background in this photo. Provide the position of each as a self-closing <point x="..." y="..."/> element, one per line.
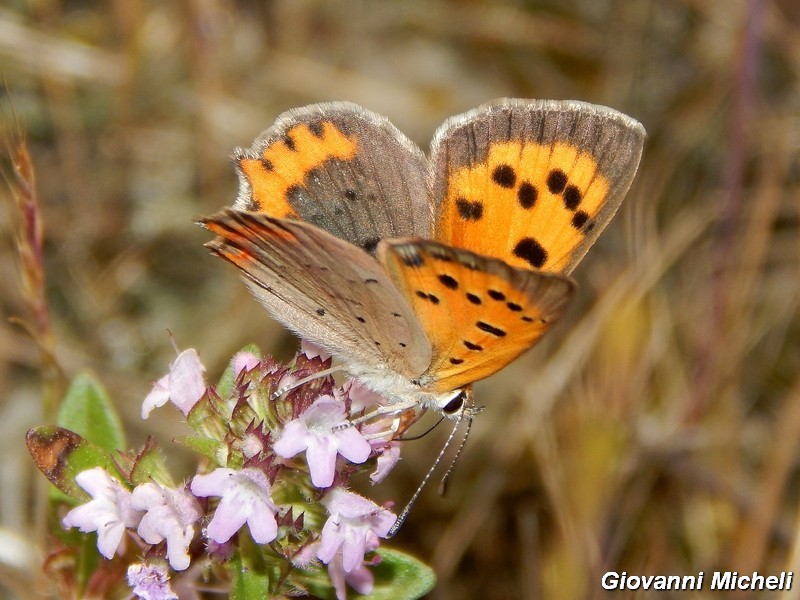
<point x="655" y="430"/>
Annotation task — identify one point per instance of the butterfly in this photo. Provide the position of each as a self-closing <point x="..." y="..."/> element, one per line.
<point x="424" y="275"/>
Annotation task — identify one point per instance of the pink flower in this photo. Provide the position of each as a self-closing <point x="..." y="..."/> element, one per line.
<point x="317" y="432"/>
<point x="311" y="350"/>
<point x="252" y="445"/>
<point x="245" y="499"/>
<point x="171" y="514"/>
<point x="360" y="579"/>
<point x="108" y="513"/>
<point x="244" y="361"/>
<point x="389" y="454"/>
<point x="378" y="431"/>
<point x="361" y="397"/>
<point x="183" y="385"/>
<point x="354" y="526"/>
<point x="150" y="581"/>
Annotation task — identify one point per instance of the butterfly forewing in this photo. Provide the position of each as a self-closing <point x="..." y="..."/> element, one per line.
<point x="325" y="290"/>
<point x="479" y="313"/>
<point x="339" y="167"/>
<point x="532" y="183"/>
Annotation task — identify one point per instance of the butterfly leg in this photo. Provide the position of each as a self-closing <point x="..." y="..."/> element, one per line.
<point x="296" y="384"/>
<point x="385" y="409"/>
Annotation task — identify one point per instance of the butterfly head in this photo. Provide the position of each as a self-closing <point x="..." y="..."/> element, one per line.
<point x="456" y="404"/>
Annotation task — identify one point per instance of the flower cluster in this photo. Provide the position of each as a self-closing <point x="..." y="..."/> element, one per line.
<point x="274" y="489"/>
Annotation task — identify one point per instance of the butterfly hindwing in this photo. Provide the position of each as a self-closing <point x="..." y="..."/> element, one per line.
<point x="479" y="313"/>
<point x="340" y="167"/>
<point x="547" y="174"/>
<point x="324" y="289"/>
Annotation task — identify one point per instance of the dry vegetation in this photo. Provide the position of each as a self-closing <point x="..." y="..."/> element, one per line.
<point x="656" y="430"/>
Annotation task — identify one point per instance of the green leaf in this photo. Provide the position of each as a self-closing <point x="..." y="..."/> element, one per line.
<point x="397" y="577"/>
<point x="206" y="417"/>
<point x="315" y="580"/>
<point x="61" y="454"/>
<point x="247" y="583"/>
<point x="149" y="465"/>
<point x="214" y="450"/>
<point x="400" y="576"/>
<point x="87" y="410"/>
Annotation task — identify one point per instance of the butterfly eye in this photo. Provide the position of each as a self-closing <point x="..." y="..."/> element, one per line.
<point x="454" y="406"/>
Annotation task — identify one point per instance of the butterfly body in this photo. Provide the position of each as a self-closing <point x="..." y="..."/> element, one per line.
<point x="423" y="276"/>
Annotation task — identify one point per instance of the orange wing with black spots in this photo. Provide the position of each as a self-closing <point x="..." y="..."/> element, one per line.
<point x="549" y="175"/>
<point x="339" y="167"/>
<point x="478" y="313"/>
<point x="282" y="165"/>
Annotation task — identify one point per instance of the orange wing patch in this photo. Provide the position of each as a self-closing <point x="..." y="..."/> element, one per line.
<point x="287" y="161"/>
<point x="545" y="196"/>
<point x="478" y="313"/>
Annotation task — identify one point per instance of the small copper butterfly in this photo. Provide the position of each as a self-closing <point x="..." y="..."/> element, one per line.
<point x="422" y="276"/>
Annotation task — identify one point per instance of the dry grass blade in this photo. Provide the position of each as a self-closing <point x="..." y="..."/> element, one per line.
<point x="29" y="242"/>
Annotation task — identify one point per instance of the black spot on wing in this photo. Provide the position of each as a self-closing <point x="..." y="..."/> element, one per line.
<point x="432" y="298"/>
<point x="469" y="211"/>
<point x="579" y="219"/>
<point x="316" y="128"/>
<point x="572" y="197"/>
<point x="294" y="191"/>
<point x="488" y="328"/>
<point x="527" y="195"/>
<point x="556" y="181"/>
<point x="504" y="176"/>
<point x="531" y="251"/>
<point x="528" y="319"/>
<point x="448" y="281"/>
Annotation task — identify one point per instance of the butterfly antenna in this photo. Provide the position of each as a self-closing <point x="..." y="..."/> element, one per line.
<point x="404" y="514"/>
<point x="446" y="477"/>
